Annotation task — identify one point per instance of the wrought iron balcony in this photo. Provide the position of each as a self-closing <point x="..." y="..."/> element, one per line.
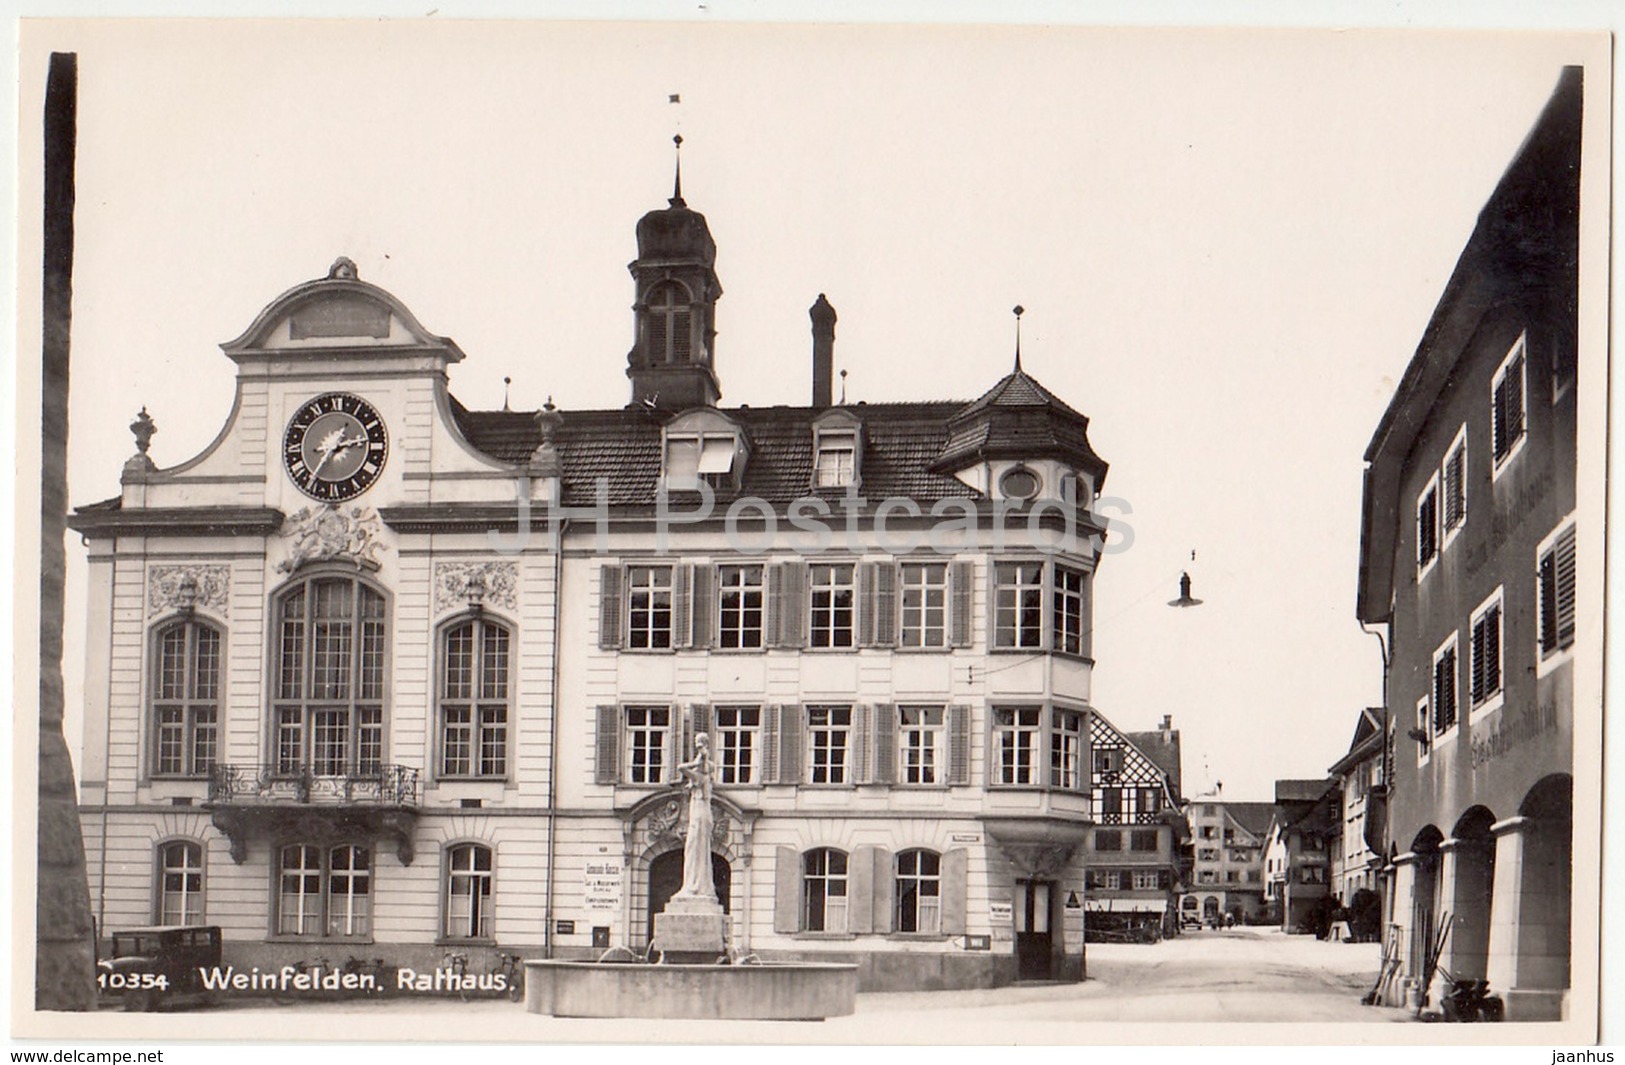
<point x="390" y="785"/>
<point x="268" y="802"/>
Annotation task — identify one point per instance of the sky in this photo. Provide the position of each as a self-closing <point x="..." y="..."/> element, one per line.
<point x="1228" y="245"/>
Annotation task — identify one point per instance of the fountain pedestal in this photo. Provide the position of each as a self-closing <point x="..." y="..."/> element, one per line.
<point x="691" y="930"/>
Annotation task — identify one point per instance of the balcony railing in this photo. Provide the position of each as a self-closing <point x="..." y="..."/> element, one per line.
<point x="389" y="785"/>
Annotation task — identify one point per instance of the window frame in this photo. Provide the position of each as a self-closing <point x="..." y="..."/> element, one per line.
<point x="450" y="874"/>
<point x="1060" y="596"/>
<point x="665" y="749"/>
<point x="1491" y="699"/>
<point x="1448" y="531"/>
<point x="1427" y="497"/>
<point x="757" y="754"/>
<point x="307" y="704"/>
<point x="1518" y="352"/>
<point x="827" y="877"/>
<point x="162" y="870"/>
<point x="1051" y="633"/>
<point x="1016" y="728"/>
<point x="741" y="591"/>
<point x="324" y="895"/>
<point x="833" y="590"/>
<point x="1017" y="609"/>
<point x="835" y="442"/>
<point x="189" y="703"/>
<point x="477" y="704"/>
<point x="1059" y="731"/>
<point x="812" y="746"/>
<point x="935" y="751"/>
<point x="650" y="630"/>
<point x="1546" y="660"/>
<point x="920" y="878"/>
<point x="1451" y="646"/>
<point x="924" y="590"/>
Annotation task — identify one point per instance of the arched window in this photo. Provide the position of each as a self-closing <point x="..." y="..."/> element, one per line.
<point x="919" y="892"/>
<point x="671" y="337"/>
<point x="185" y="698"/>
<point x="823" y="890"/>
<point x="474" y="697"/>
<point x="324" y="890"/>
<point x="180" y="883"/>
<point x="468" y="891"/>
<point x="329" y="692"/>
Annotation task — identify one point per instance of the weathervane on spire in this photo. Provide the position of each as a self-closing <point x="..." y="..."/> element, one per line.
<point x="1018" y="310"/>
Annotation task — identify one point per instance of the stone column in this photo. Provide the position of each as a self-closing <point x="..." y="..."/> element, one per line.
<point x="1529" y="923"/>
<point x="1404" y="910"/>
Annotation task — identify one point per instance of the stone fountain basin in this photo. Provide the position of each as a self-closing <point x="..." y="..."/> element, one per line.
<point x="785" y="991"/>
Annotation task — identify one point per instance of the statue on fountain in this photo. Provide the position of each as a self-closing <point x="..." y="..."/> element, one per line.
<point x="693" y="927"/>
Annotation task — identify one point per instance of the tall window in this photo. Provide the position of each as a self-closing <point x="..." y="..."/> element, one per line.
<point x="648" y="607"/>
<point x="919" y="892"/>
<point x="324" y="891"/>
<point x="829" y="728"/>
<point x="1066" y="750"/>
<point x="186" y="699"/>
<point x="1555" y="575"/>
<point x="671" y="336"/>
<point x="1506" y="397"/>
<point x="738" y="729"/>
<point x="329" y="707"/>
<point x="1427" y="525"/>
<point x="925" y="604"/>
<point x="1423" y="733"/>
<point x="647" y="732"/>
<point x="1143" y="839"/>
<point x="831" y="601"/>
<point x="1108" y="839"/>
<point x="823" y="890"/>
<point x="468" y="892"/>
<point x="1019" y="604"/>
<point x="474" y="699"/>
<point x="1486" y="651"/>
<point x="180" y="883"/>
<point x="1015" y="743"/>
<point x="739" y="606"/>
<point x="921" y="748"/>
<point x="1444" y="687"/>
<point x="1070" y="616"/>
<point x="1453" y="484"/>
<point x="837" y="462"/>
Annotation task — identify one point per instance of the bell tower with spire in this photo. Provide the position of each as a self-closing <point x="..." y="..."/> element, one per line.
<point x="671" y="363"/>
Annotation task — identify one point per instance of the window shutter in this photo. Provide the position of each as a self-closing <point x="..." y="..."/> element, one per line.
<point x="1565" y="588"/>
<point x="885" y="585"/>
<point x="679" y="606"/>
<point x="863" y="596"/>
<point x="609" y="737"/>
<point x="860" y="891"/>
<point x="790" y="601"/>
<point x="703" y="623"/>
<point x="885" y="890"/>
<point x="955" y="876"/>
<point x="1492" y="651"/>
<point x="609" y="607"/>
<point x="769" y="753"/>
<point x="1548" y="602"/>
<point x="959" y="745"/>
<point x="962" y="586"/>
<point x="700" y="717"/>
<point x="674" y="744"/>
<point x="773" y="607"/>
<point x="1476" y="680"/>
<point x="790" y="718"/>
<point x="885" y="744"/>
<point x="857" y="747"/>
<point x="1514" y="402"/>
<point x="786" y="891"/>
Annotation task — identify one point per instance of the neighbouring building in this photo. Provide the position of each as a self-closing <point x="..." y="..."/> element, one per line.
<point x="1227" y="848"/>
<point x="1297" y="852"/>
<point x="1471" y="555"/>
<point x="378" y="674"/>
<point x="1133" y="874"/>
<point x="1357" y="850"/>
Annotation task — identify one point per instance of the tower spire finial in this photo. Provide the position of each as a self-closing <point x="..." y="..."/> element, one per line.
<point x="677" y="180"/>
<point x="1018" y="310"/>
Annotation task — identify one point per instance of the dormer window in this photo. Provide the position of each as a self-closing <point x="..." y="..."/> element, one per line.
<point x="837" y="449"/>
<point x="704" y="445"/>
<point x="837" y="464"/>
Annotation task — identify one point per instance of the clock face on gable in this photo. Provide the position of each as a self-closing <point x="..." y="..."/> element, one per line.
<point x="335" y="447"/>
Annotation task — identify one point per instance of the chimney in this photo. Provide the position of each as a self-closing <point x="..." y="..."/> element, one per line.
<point x="823" y="331"/>
<point x="1167" y="728"/>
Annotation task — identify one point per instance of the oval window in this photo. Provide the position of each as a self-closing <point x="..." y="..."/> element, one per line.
<point x="1019" y="483"/>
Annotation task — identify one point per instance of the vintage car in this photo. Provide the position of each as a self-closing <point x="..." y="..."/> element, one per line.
<point x="149" y="967"/>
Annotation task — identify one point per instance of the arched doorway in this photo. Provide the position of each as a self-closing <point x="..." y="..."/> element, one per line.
<point x="666" y="877"/>
<point x="1210" y="910"/>
<point x="1470" y="894"/>
<point x="1425" y="902"/>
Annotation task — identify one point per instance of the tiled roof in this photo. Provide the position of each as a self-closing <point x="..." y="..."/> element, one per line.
<point x="1165" y="755"/>
<point x="1253" y="816"/>
<point x="1300" y="790"/>
<point x="901" y="440"/>
<point x="1017" y="389"/>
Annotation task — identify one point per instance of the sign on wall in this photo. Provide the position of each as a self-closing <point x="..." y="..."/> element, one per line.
<point x="601" y="886"/>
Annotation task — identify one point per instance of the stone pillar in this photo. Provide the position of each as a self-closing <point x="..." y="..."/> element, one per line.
<point x="1403" y="912"/>
<point x="1529" y="924"/>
